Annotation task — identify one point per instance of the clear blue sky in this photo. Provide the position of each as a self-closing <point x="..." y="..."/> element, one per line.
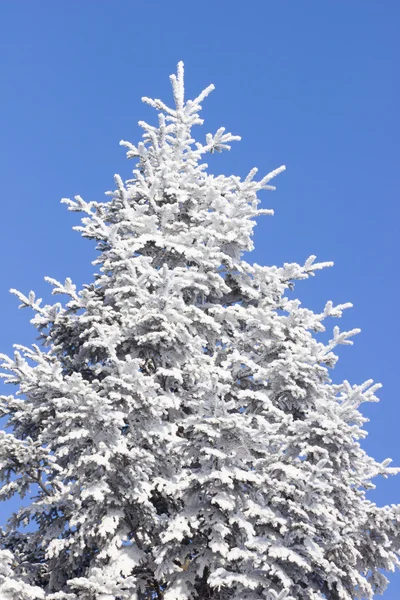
<point x="313" y="84"/>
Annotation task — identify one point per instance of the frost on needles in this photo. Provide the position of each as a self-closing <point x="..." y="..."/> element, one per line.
<point x="176" y="429"/>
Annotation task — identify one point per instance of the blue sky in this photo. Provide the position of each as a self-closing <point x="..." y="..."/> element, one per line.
<point x="312" y="84"/>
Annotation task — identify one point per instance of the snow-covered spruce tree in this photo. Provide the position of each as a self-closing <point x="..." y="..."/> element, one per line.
<point x="177" y="425"/>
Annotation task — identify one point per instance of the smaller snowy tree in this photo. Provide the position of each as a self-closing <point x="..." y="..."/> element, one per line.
<point x="176" y="426"/>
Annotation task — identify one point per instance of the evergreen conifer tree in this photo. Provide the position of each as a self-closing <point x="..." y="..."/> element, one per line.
<point x="177" y="424"/>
